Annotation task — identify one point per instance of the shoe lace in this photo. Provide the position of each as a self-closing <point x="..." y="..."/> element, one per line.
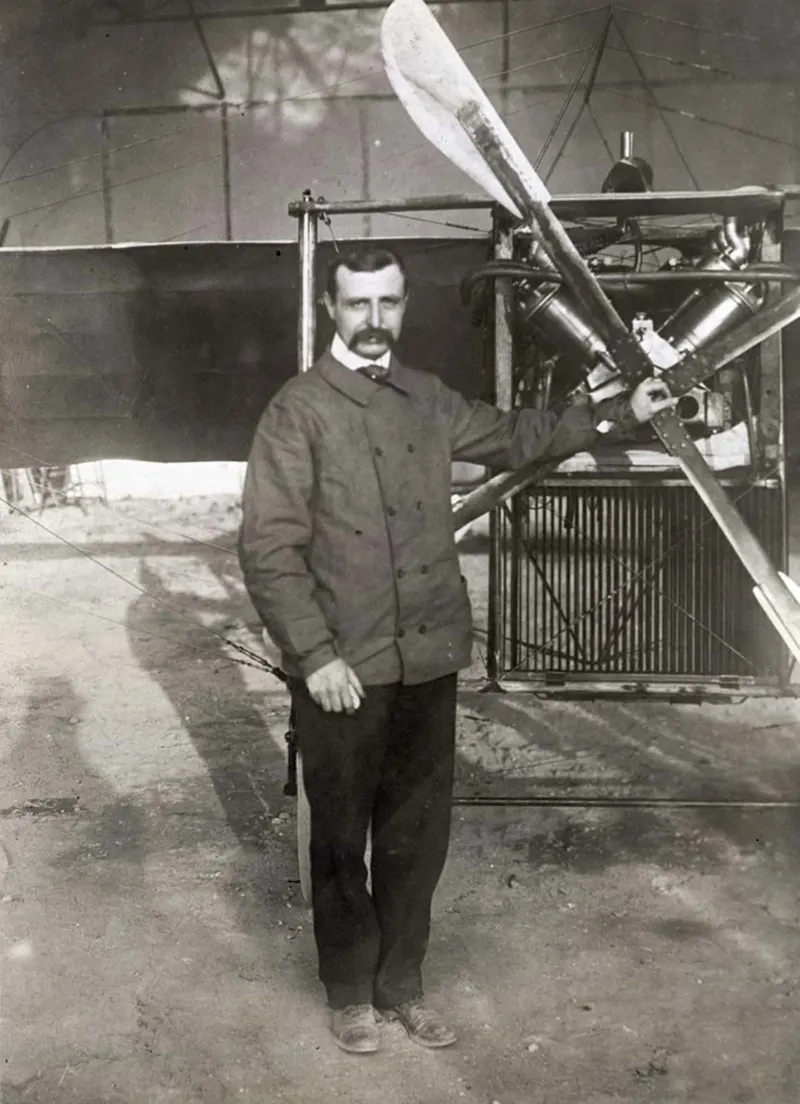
<point x="420" y="1016"/>
<point x="356" y="1012"/>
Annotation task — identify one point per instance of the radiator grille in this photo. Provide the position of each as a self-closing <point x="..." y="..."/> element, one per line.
<point x="616" y="580"/>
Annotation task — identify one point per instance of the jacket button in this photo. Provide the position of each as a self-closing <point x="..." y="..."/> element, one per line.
<point x="401" y="632"/>
<point x="379" y="451"/>
<point x="424" y="569"/>
<point x="423" y="629"/>
<point x="410" y="448"/>
<point x="419" y="505"/>
<point x="400" y="573"/>
<point x="391" y="511"/>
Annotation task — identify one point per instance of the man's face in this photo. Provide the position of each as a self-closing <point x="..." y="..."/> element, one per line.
<point x="368" y="309"/>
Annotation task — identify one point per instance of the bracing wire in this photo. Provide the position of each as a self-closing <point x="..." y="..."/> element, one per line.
<point x="324" y="91"/>
<point x="212" y="653"/>
<point x="695" y="117"/>
<point x="89" y="157"/>
<point x="254" y="657"/>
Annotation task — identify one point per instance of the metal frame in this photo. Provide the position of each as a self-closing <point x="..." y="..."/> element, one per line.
<point x="755" y="203"/>
<point x="767" y="472"/>
<point x="308" y="211"/>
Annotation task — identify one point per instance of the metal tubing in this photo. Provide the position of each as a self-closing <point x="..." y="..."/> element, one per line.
<point x="105" y="176"/>
<point x="589" y="477"/>
<point x="623" y="280"/>
<point x="772" y="416"/>
<point x="649" y="590"/>
<point x="503" y="382"/>
<point x="753" y="201"/>
<point x="516" y="539"/>
<point x="596" y="566"/>
<point x="226" y="171"/>
<point x="495" y="611"/>
<point x="363" y="137"/>
<point x="503" y="335"/>
<point x="770" y="402"/>
<point x="686" y="689"/>
<point x="397" y="206"/>
<point x="750" y="203"/>
<point x="517" y="270"/>
<point x="307" y="326"/>
<point x="557" y="581"/>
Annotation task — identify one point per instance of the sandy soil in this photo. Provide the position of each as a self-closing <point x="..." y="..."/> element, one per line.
<point x="155" y="947"/>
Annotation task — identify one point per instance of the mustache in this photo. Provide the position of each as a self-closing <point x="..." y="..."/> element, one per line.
<point x="378" y="333"/>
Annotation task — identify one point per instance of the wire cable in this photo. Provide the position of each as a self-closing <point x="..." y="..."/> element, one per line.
<point x="254" y="656"/>
<point x="210" y="652"/>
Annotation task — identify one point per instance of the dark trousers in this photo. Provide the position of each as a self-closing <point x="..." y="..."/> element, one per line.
<point x="390" y="762"/>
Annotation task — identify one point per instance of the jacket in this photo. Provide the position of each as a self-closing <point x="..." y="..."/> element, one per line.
<point x="347" y="545"/>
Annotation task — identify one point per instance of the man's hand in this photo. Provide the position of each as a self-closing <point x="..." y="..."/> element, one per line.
<point x="649" y="398"/>
<point x="336" y="687"/>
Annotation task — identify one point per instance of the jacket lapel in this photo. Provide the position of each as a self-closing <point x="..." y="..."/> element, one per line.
<point x="354" y="385"/>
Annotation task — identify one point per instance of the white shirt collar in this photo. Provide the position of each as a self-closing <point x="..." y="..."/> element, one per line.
<point x="352" y="360"/>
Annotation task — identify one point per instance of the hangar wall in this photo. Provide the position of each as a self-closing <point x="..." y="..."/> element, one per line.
<point x="112" y="128"/>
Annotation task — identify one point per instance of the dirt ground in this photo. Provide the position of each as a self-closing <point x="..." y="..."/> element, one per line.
<point x="155" y="946"/>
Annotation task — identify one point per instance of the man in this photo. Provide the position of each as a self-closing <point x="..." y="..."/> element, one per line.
<point x="348" y="553"/>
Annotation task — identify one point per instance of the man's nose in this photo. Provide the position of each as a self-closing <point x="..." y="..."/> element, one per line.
<point x="375" y="313"/>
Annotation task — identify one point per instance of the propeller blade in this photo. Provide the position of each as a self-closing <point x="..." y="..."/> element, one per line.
<point x="434" y="85"/>
<point x="451" y="109"/>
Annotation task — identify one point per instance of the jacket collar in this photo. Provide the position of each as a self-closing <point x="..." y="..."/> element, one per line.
<point x="359" y="388"/>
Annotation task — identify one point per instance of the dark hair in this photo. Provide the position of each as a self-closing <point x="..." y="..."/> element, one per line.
<point x="363" y="260"/>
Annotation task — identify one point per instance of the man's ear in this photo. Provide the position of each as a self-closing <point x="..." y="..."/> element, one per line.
<point x="326" y="299"/>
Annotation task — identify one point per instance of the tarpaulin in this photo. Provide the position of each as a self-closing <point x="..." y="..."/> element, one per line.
<point x="171" y="352"/>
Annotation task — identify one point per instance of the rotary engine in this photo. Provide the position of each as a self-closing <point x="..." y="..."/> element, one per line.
<point x="547" y="313"/>
<point x="559" y="349"/>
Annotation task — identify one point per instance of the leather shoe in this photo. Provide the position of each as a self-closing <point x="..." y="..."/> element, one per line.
<point x="423" y="1025"/>
<point x="355" y="1029"/>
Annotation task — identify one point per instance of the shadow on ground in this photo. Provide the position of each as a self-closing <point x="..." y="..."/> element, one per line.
<point x="222" y="716"/>
<point x="527" y="749"/>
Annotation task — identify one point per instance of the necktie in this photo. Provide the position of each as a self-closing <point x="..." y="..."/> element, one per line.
<point x="376" y="372"/>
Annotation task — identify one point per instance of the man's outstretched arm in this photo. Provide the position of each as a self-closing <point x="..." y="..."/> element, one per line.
<point x="482" y="434"/>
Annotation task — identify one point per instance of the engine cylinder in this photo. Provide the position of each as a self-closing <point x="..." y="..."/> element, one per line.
<point x="705" y="314"/>
<point x="711" y="315"/>
<point x="550" y="309"/>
